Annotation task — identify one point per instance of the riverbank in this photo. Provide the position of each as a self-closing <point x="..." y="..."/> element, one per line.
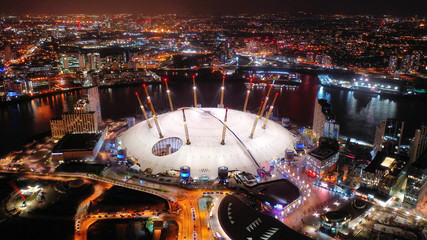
<point x="25" y="98"/>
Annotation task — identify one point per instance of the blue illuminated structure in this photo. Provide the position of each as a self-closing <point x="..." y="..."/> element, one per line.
<point x="12" y="94"/>
<point x="185" y="173"/>
<point x="121" y="155"/>
<point x="113" y="144"/>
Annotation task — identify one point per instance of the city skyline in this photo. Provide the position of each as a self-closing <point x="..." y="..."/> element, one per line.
<point x="226" y="127"/>
<point x="220" y="7"/>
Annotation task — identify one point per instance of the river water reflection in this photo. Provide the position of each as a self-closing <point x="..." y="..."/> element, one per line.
<point x="357" y="113"/>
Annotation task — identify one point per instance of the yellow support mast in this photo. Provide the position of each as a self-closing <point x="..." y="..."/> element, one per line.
<point x="143" y="110"/>
<point x="153" y="112"/>
<point x="266" y="100"/>
<point x="194" y="91"/>
<point x="247" y="95"/>
<point x="169" y="94"/>
<point x="185" y="127"/>
<point x="224" y="128"/>
<point x="221" y="104"/>
<point x="270" y="111"/>
<point x="256" y="120"/>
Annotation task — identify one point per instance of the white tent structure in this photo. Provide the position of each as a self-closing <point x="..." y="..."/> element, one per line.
<point x="205" y="153"/>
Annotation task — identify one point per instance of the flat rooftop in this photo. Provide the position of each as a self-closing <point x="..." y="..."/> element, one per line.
<point x="281" y="192"/>
<point x="77" y="142"/>
<point x="322" y="153"/>
<point x="383" y="161"/>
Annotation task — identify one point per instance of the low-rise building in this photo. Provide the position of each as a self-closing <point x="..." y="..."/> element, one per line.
<point x="322" y="159"/>
<point x="384" y="174"/>
<point x="78" y="146"/>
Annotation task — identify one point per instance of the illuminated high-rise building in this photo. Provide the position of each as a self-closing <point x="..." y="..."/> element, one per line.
<point x="392" y="63"/>
<point x="324" y="124"/>
<point x="72" y="61"/>
<point x="410" y="62"/>
<point x="94" y="61"/>
<point x="94" y="104"/>
<point x="331" y="129"/>
<point x="85" y="118"/>
<point x="388" y="136"/>
<point x="416" y="185"/>
<point x="419" y="144"/>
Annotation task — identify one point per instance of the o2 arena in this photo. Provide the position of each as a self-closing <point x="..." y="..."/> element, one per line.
<point x="205" y="153"/>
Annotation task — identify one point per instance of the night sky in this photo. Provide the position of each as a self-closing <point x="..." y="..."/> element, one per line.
<point x="377" y="7"/>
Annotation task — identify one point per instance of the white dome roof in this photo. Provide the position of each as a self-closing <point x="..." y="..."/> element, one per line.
<point x="205" y="153"/>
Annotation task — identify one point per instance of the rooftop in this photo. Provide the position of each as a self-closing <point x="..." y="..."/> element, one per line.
<point x="269" y="192"/>
<point x="77" y="142"/>
<point x="322" y="153"/>
<point x="384" y="161"/>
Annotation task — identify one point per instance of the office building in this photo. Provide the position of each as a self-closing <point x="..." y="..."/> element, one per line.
<point x="388" y="136"/>
<point x="85" y="118"/>
<point x="392" y="63"/>
<point x="331" y="129"/>
<point x="324" y="124"/>
<point x="94" y="61"/>
<point x="416" y="184"/>
<point x="94" y="105"/>
<point x="419" y="144"/>
<point x="72" y="61"/>
<point x="384" y="173"/>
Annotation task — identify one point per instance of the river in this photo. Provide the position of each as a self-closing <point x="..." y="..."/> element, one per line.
<point x="357" y="113"/>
